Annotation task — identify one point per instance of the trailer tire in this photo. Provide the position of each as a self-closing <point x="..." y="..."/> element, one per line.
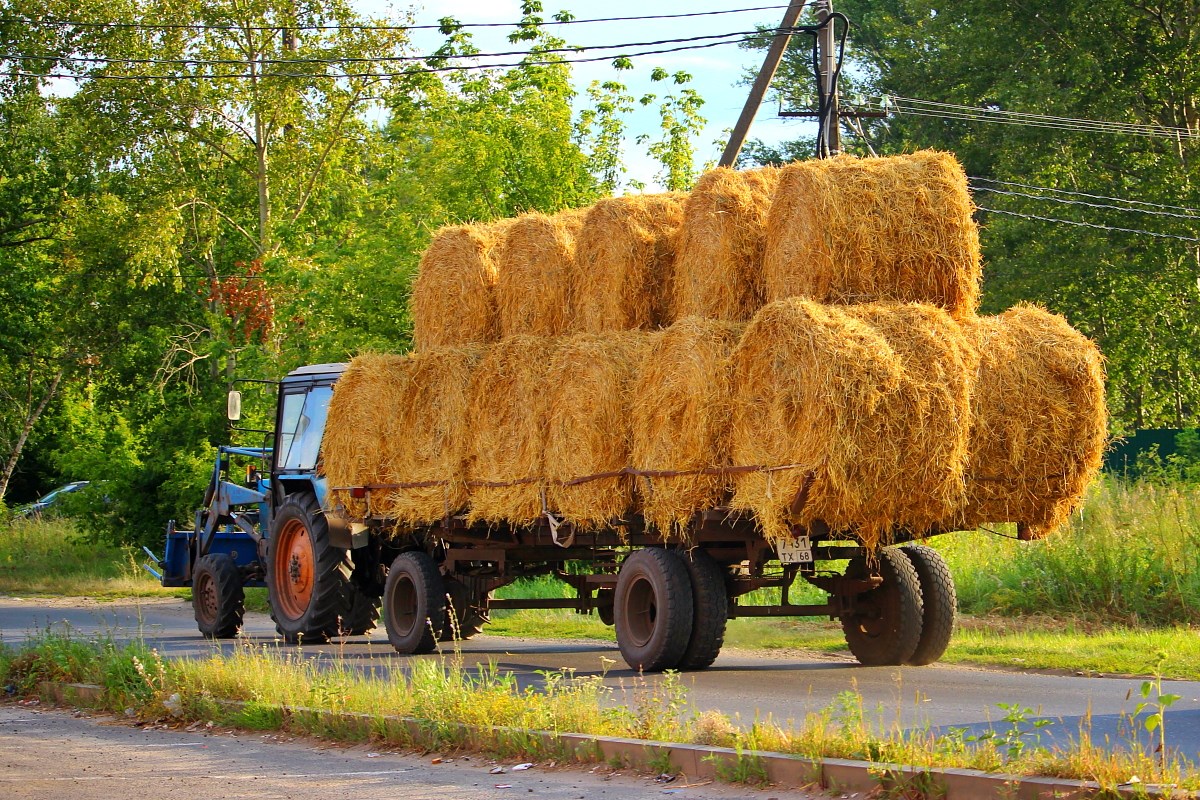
<point x="414" y="603"/>
<point x="363" y="615"/>
<point x="710" y="611"/>
<point x="466" y="610"/>
<point x="653" y="609"/>
<point x="886" y="626"/>
<point x="218" y="599"/>
<point x="308" y="580"/>
<point x="939" y="602"/>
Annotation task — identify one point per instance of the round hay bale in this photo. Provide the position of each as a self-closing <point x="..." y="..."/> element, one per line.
<point x="454" y="294"/>
<point x="1039" y="422"/>
<point x="356" y="430"/>
<point x="588" y="392"/>
<point x="859" y="230"/>
<point x="536" y="261"/>
<point x="426" y="403"/>
<point x="623" y="263"/>
<point x="682" y="409"/>
<point x="507" y="437"/>
<point x="865" y="407"/>
<point x="718" y="259"/>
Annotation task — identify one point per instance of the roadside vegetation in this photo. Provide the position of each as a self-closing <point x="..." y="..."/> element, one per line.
<point x="1108" y="594"/>
<point x="284" y="690"/>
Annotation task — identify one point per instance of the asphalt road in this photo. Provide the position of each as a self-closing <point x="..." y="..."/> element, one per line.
<point x="48" y="755"/>
<point x="748" y="684"/>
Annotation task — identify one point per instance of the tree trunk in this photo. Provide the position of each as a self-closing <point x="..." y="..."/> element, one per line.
<point x="30" y="420"/>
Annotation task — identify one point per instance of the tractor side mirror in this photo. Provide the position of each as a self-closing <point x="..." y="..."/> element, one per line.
<point x="233" y="406"/>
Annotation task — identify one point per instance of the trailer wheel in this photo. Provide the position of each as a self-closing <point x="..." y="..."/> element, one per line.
<point x="653" y="609"/>
<point x="466" y="611"/>
<point x="218" y="598"/>
<point x="414" y="603"/>
<point x="939" y="602"/>
<point x="710" y="611"/>
<point x="885" y="628"/>
<point x="308" y="581"/>
<point x="363" y="614"/>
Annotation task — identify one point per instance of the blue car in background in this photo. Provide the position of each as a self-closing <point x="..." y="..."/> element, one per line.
<point x="47" y="501"/>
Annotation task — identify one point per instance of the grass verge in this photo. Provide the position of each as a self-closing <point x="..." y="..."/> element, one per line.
<point x="51" y="558"/>
<point x="446" y="695"/>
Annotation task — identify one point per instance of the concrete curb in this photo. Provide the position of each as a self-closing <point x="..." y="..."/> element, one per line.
<point x="694" y="762"/>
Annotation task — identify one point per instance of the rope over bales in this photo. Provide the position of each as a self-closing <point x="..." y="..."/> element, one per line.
<point x="874" y="400"/>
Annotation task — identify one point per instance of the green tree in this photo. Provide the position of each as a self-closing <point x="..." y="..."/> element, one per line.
<point x="1136" y="294"/>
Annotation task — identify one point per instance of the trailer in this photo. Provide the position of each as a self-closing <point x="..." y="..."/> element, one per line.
<point x="329" y="575"/>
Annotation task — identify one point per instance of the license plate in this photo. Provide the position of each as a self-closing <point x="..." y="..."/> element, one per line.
<point x="797" y="550"/>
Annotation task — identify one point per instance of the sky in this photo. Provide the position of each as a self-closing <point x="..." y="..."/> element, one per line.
<point x="718" y="73"/>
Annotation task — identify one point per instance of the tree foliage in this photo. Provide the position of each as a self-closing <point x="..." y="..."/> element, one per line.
<point x="1136" y="294"/>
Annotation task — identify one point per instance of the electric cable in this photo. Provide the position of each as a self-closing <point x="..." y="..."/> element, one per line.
<point x="50" y="22"/>
<point x="410" y="71"/>
<point x="951" y="111"/>
<point x="1091" y="225"/>
<point x="1083" y="194"/>
<point x="1084" y="203"/>
<point x="201" y="62"/>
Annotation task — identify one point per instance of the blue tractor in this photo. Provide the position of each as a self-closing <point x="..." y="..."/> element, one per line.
<point x="271" y="531"/>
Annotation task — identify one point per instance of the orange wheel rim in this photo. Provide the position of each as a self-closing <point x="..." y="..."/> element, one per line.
<point x="294" y="568"/>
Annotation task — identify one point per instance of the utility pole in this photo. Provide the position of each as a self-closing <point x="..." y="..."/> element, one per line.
<point x="831" y="139"/>
<point x="770" y="64"/>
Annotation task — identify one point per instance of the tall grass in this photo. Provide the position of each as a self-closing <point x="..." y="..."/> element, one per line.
<point x="285" y="690"/>
<point x="52" y="557"/>
<point x="1131" y="555"/>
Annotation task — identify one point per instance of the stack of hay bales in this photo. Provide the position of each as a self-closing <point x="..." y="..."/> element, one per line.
<point x="801" y="345"/>
<point x="399" y="423"/>
<point x="624" y="263"/>
<point x="860" y="230"/>
<point x="454" y="295"/>
<point x="682" y="406"/>
<point x="719" y="257"/>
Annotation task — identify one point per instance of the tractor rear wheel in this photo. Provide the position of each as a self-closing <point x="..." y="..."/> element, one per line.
<point x="308" y="580"/>
<point x="414" y="603"/>
<point x="653" y="609"/>
<point x="218" y="599"/>
<point x="885" y="628"/>
<point x="363" y="615"/>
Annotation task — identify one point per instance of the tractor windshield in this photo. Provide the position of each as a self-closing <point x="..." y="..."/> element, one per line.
<point x="301" y="428"/>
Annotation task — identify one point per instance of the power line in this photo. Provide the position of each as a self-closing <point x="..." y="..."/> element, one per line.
<point x="1083" y="194"/>
<point x="410" y="71"/>
<point x="1086" y="204"/>
<point x="930" y="108"/>
<point x="457" y="25"/>
<point x="198" y="62"/>
<point x="1091" y="225"/>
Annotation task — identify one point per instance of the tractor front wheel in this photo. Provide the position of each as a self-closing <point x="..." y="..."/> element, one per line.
<point x="218" y="599"/>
